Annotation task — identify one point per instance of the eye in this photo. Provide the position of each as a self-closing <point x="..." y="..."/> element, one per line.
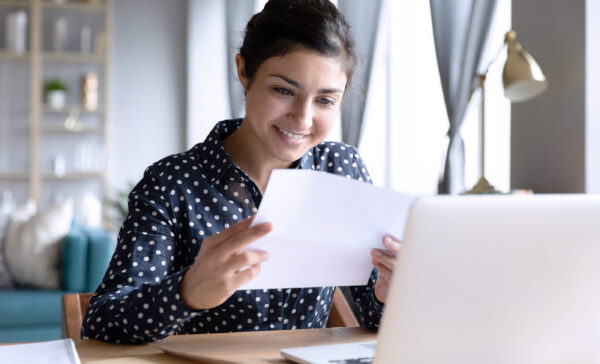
<point x="283" y="91"/>
<point x="326" y="101"/>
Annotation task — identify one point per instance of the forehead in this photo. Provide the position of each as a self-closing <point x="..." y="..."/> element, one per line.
<point x="309" y="68"/>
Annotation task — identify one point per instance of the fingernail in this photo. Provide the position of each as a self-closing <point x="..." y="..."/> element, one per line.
<point x="265" y="227"/>
<point x="387" y="240"/>
<point x="265" y="255"/>
<point x="376" y="253"/>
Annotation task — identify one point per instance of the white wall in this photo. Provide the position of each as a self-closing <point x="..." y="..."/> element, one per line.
<point x="548" y="132"/>
<point x="148" y="101"/>
<point x="208" y="95"/>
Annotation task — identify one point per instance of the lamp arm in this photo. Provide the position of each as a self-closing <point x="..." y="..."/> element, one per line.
<point x="477" y="84"/>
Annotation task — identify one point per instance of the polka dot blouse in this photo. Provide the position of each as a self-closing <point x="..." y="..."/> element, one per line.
<point x="181" y="200"/>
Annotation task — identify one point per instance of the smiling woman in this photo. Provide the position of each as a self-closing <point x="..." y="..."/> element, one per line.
<point x="180" y="257"/>
<point x="291" y="105"/>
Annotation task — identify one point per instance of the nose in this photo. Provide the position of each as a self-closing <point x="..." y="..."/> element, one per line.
<point x="302" y="114"/>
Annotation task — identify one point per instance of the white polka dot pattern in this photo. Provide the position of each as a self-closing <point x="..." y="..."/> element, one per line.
<point x="181" y="200"/>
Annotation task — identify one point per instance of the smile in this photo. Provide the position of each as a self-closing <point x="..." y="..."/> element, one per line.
<point x="291" y="135"/>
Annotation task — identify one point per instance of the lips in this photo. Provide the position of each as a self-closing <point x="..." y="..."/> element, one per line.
<point x="290" y="134"/>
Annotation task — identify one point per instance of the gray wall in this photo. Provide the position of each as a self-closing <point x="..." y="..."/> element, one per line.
<point x="148" y="85"/>
<point x="548" y="133"/>
<point x="592" y="86"/>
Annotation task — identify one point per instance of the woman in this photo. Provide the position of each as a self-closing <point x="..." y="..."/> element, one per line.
<point x="179" y="258"/>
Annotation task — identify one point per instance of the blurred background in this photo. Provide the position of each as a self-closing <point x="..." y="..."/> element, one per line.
<point x="162" y="74"/>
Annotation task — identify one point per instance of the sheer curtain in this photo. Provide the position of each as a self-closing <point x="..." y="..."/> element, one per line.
<point x="460" y="30"/>
<point x="238" y="12"/>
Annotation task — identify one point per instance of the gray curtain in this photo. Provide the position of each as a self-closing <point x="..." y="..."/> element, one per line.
<point x="238" y="13"/>
<point x="460" y="29"/>
<point x="363" y="16"/>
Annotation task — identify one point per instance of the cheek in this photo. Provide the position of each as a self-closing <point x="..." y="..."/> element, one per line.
<point x="264" y="107"/>
<point x="325" y="122"/>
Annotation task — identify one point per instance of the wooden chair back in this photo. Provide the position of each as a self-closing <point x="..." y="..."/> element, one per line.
<point x="74" y="307"/>
<point x="341" y="314"/>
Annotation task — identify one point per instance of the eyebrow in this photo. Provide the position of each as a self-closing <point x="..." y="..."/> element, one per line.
<point x="298" y="85"/>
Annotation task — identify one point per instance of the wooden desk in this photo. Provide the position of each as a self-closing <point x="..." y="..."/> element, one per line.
<point x="243" y="347"/>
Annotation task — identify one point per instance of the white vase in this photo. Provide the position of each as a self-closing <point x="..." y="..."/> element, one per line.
<point x="59" y="34"/>
<point x="56" y="99"/>
<point x="16" y="31"/>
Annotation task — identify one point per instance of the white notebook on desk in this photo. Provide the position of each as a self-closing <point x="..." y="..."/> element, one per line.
<point x="47" y="352"/>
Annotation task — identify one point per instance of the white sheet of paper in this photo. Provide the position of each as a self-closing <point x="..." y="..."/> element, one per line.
<point x="324" y="227"/>
<point x="47" y="352"/>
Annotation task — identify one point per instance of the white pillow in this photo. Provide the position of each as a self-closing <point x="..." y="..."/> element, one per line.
<point x="5" y="278"/>
<point x="33" y="242"/>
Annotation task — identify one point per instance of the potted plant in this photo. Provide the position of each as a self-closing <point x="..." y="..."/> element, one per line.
<point x="56" y="93"/>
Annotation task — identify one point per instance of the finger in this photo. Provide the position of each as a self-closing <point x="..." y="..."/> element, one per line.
<point x="244" y="238"/>
<point x="392" y="244"/>
<point x="246" y="275"/>
<point x="247" y="258"/>
<point x="232" y="230"/>
<point x="388" y="261"/>
<point x="382" y="272"/>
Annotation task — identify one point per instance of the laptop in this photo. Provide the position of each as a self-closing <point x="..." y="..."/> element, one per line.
<point x="489" y="279"/>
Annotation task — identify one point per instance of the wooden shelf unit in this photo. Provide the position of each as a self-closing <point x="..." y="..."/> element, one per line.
<point x="60" y="129"/>
<point x="38" y="57"/>
<point x="94" y="6"/>
<point x="14" y="176"/>
<point x="72" y="57"/>
<point x="69" y="108"/>
<point x="6" y="55"/>
<point x="15" y="3"/>
<point x="74" y="176"/>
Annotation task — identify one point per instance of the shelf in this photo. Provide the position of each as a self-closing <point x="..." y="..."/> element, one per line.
<point x="14" y="56"/>
<point x="14" y="176"/>
<point x="70" y="131"/>
<point x="73" y="176"/>
<point x="15" y="3"/>
<point x="69" y="108"/>
<point x="60" y="129"/>
<point x="92" y="6"/>
<point x="72" y="57"/>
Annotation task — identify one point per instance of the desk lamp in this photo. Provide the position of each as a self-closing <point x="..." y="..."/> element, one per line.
<point x="522" y="79"/>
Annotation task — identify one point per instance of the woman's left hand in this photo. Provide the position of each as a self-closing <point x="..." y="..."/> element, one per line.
<point x="384" y="260"/>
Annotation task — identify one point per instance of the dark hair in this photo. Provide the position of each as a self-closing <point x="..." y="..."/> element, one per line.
<point x="285" y="25"/>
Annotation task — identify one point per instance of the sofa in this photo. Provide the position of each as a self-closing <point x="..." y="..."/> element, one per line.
<point x="28" y="314"/>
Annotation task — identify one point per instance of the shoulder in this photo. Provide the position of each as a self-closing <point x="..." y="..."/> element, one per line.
<point x="334" y="150"/>
<point x="174" y="167"/>
<point x="340" y="158"/>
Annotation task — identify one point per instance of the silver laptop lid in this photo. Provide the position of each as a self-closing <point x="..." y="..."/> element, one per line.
<point x="496" y="279"/>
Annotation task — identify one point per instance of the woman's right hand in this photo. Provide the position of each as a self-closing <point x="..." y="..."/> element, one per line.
<point x="218" y="270"/>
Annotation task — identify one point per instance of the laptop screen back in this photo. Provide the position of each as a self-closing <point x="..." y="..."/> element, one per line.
<point x="496" y="279"/>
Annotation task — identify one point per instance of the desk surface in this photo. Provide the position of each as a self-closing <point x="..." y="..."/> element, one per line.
<point x="243" y="347"/>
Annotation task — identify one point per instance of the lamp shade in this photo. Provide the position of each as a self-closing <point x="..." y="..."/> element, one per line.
<point x="522" y="77"/>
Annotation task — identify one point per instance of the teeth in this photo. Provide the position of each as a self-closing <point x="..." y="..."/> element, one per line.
<point x="293" y="136"/>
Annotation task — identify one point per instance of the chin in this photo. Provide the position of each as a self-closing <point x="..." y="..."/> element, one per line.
<point x="289" y="157"/>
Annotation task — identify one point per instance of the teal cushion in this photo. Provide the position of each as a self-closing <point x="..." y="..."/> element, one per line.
<point x="101" y="249"/>
<point x="27" y="334"/>
<point x="30" y="307"/>
<point x="74" y="261"/>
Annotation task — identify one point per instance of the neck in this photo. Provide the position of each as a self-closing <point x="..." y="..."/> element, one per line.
<point x="248" y="154"/>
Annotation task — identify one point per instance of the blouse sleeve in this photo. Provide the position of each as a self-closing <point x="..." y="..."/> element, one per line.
<point x="369" y="307"/>
<point x="138" y="300"/>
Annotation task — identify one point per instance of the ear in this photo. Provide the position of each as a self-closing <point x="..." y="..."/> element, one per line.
<point x="241" y="71"/>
